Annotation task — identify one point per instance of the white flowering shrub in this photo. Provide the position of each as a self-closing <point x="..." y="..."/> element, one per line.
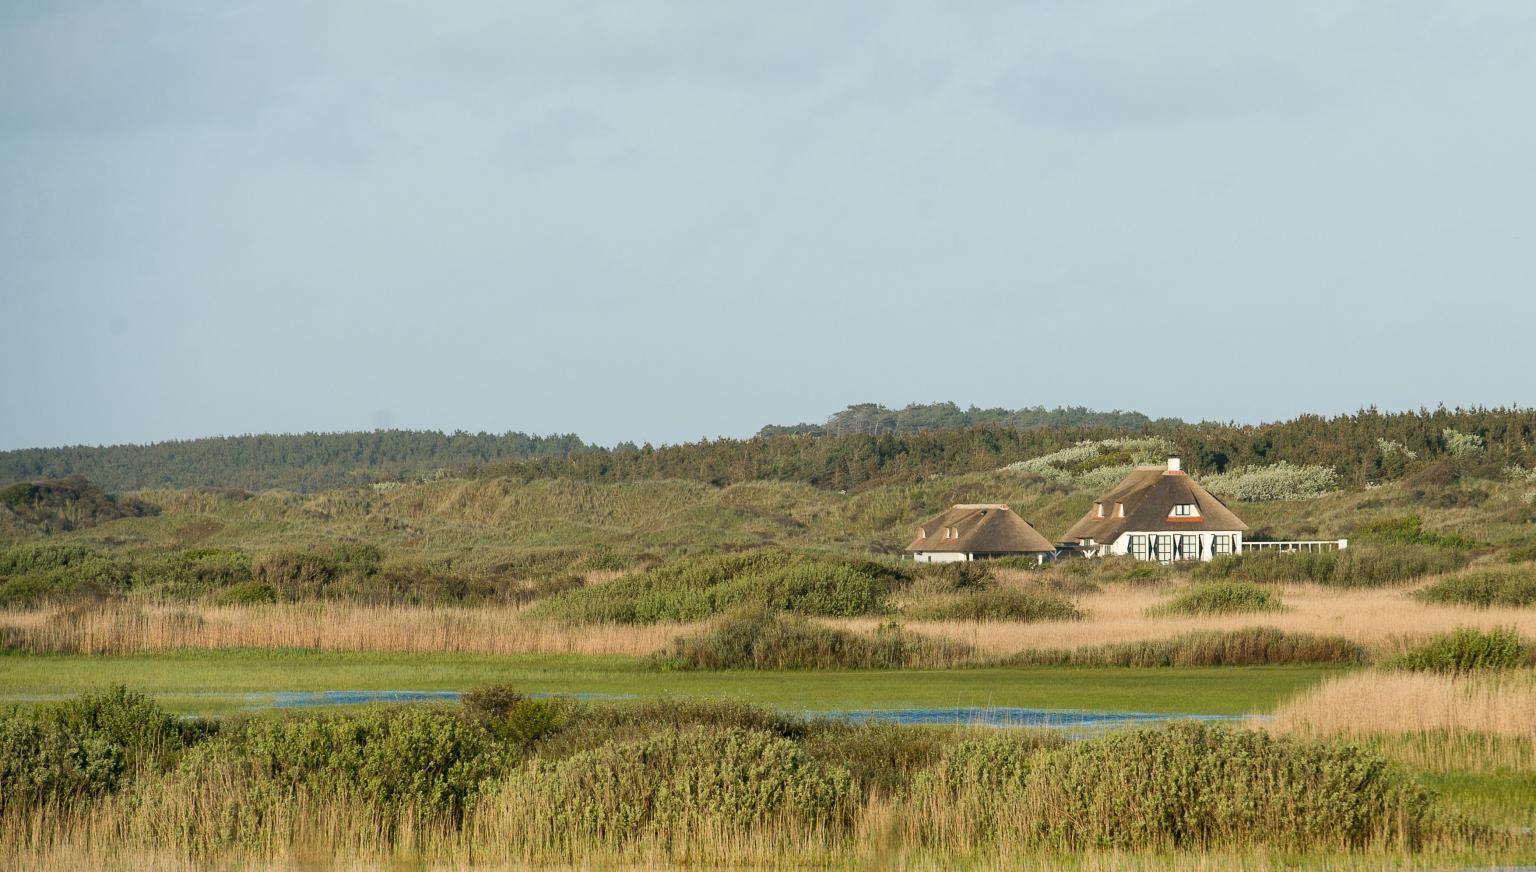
<point x="1392" y="448"/>
<point x="1515" y="472"/>
<point x="1459" y="444"/>
<point x="1280" y="482"/>
<point x="1097" y="465"/>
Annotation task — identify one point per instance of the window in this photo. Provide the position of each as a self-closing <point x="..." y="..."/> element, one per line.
<point x="1186" y="510"/>
<point x="1119" y="510"/>
<point x="921" y="533"/>
<point x="1098" y="510"/>
<point x="1221" y="545"/>
<point x="1139" y="547"/>
<point x="1189" y="546"/>
<point x="1164" y="548"/>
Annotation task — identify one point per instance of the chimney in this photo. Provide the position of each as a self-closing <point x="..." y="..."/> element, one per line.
<point x="1173" y="464"/>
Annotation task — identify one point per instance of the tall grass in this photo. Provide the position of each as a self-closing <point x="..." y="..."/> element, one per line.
<point x="1467" y="650"/>
<point x="997" y="604"/>
<point x="1251" y="646"/>
<point x="666" y="783"/>
<point x="1379" y="702"/>
<point x="1505" y="587"/>
<point x="1219" y="598"/>
<point x="1358" y="566"/>
<point x="760" y="638"/>
<point x="694" y="588"/>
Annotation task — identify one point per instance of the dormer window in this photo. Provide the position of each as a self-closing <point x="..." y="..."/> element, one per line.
<point x="921" y="533"/>
<point x="1119" y="510"/>
<point x="1098" y="510"/>
<point x="951" y="532"/>
<point x="1186" y="510"/>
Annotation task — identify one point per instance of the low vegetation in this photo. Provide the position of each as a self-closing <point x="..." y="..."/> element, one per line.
<point x="1357" y="566"/>
<point x="759" y="638"/>
<point x="1023" y="605"/>
<point x="1507" y="587"/>
<point x="1467" y="650"/>
<point x="697" y="782"/>
<point x="1251" y="646"/>
<point x="1219" y="598"/>
<point x="695" y="588"/>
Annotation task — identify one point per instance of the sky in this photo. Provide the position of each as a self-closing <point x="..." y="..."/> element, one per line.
<point x="661" y="221"/>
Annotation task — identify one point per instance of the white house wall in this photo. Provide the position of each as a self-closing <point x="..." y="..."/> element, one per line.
<point x="1122" y="545"/>
<point x="941" y="556"/>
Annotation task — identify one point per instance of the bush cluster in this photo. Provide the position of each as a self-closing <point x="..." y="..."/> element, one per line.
<point x="1509" y="587"/>
<point x="1467" y="650"/>
<point x="692" y="588"/>
<point x="1357" y="566"/>
<point x="1250" y="646"/>
<point x="1281" y="482"/>
<point x="676" y="781"/>
<point x="1219" y="598"/>
<point x="760" y="638"/>
<point x="995" y="604"/>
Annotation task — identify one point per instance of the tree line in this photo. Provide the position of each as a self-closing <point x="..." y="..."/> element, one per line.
<point x="298" y="462"/>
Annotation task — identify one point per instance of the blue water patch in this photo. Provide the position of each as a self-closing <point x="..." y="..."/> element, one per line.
<point x="312" y="699"/>
<point x="1063" y="719"/>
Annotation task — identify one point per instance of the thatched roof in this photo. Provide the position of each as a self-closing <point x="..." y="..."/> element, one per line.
<point x="980" y="528"/>
<point x="1149" y="494"/>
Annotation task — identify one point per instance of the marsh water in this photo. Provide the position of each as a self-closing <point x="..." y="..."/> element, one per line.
<point x="1065" y="719"/>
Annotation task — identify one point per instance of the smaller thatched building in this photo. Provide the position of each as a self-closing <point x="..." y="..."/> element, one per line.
<point x="978" y="531"/>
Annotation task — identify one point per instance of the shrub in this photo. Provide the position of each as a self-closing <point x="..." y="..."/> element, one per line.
<point x="250" y="593"/>
<point x="1408" y="530"/>
<point x="1354" y="567"/>
<point x="41" y="763"/>
<point x="1280" y="482"/>
<point x="1466" y="650"/>
<point x="1374" y="567"/>
<point x="1301" y="566"/>
<point x="1200" y="786"/>
<point x="678" y="781"/>
<point x="511" y="716"/>
<point x="424" y="758"/>
<point x="1494" y="588"/>
<point x="127" y="720"/>
<point x="1219" y="598"/>
<point x="976" y="784"/>
<point x="1250" y="646"/>
<point x="697" y="587"/>
<point x="998" y="604"/>
<point x="763" y="639"/>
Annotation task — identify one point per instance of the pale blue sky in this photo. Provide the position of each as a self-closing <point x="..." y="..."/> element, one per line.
<point x="666" y="220"/>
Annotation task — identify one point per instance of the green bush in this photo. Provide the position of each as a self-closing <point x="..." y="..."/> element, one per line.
<point x="511" y="716"/>
<point x="758" y="638"/>
<point x="41" y="763"/>
<point x="249" y="593"/>
<point x="1219" y="598"/>
<point x="1495" y="588"/>
<point x="1250" y="646"/>
<point x="1198" y="786"/>
<point x="976" y="785"/>
<point x="425" y="758"/>
<point x="127" y="720"/>
<point x="696" y="587"/>
<point x="997" y="604"/>
<point x="1408" y="530"/>
<point x="679" y="781"/>
<point x="1466" y="650"/>
<point x="1276" y="566"/>
<point x="1356" y="566"/>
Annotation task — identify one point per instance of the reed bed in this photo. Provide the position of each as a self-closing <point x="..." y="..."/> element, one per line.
<point x="1414" y="703"/>
<point x="1385" y="621"/>
<point x="122" y="628"/>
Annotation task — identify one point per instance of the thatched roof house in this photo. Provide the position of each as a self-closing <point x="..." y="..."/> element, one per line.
<point x="977" y="531"/>
<point x="1158" y="513"/>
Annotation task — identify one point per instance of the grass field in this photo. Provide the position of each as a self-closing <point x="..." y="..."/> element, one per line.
<point x="209" y="682"/>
